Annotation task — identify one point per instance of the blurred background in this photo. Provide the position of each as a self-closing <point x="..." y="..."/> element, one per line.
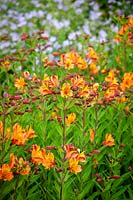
<point x="61" y="20"/>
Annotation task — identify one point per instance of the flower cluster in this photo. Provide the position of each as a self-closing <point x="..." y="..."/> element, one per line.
<point x="127" y="81"/>
<point x="93" y="58"/>
<point x="74" y="156"/>
<point x="18" y="135"/>
<point x="72" y="59"/>
<point x="16" y="166"/>
<point x="126" y="31"/>
<point x="40" y="156"/>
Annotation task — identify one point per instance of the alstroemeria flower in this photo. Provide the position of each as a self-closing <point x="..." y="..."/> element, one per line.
<point x="91" y="54"/>
<point x="40" y="156"/>
<point x="77" y="82"/>
<point x="81" y="63"/>
<point x="20" y="136"/>
<point x="20" y="165"/>
<point x="109" y="140"/>
<point x="74" y="167"/>
<point x="44" y="89"/>
<point x="84" y="92"/>
<point x="66" y="90"/>
<point x="5" y="172"/>
<point x="70" y="118"/>
<point x="20" y="83"/>
<point x="92" y="135"/>
<point x="127" y="81"/>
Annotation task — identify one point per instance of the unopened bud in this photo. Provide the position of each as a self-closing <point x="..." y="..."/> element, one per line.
<point x="99" y="180"/>
<point x="51" y="148"/>
<point x="95" y="151"/>
<point x="115" y="177"/>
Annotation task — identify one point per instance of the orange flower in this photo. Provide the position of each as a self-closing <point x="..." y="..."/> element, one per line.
<point x="84" y="92"/>
<point x="112" y="92"/>
<point x="71" y="151"/>
<point x="29" y="132"/>
<point x="35" y="78"/>
<point x="93" y="68"/>
<point x="1" y="127"/>
<point x="109" y="140"/>
<point x="92" y="54"/>
<point x="81" y="157"/>
<point x="130" y="22"/>
<point x="53" y="82"/>
<point x="5" y="172"/>
<point x="20" y="83"/>
<point x="36" y="155"/>
<point x="17" y="136"/>
<point x="81" y="64"/>
<point x="66" y="61"/>
<point x="20" y="136"/>
<point x="48" y="161"/>
<point x="127" y="81"/>
<point x="70" y="119"/>
<point x="117" y="38"/>
<point x="71" y="59"/>
<point x="96" y="86"/>
<point x="46" y="78"/>
<point x="66" y="90"/>
<point x="123" y="29"/>
<point x="40" y="156"/>
<point x="69" y="64"/>
<point x="73" y="55"/>
<point x="77" y="82"/>
<point x="92" y="135"/>
<point x="74" y="152"/>
<point x="12" y="160"/>
<point x="6" y="63"/>
<point x="21" y="167"/>
<point x="73" y="166"/>
<point x="44" y="90"/>
<point x="54" y="114"/>
<point x="111" y="77"/>
<point x="121" y="100"/>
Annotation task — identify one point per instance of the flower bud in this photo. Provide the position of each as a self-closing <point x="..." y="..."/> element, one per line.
<point x="115" y="177"/>
<point x="99" y="180"/>
<point x="95" y="151"/>
<point x="51" y="148"/>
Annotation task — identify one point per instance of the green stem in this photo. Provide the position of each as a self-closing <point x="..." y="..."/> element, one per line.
<point x="84" y="128"/>
<point x="15" y="189"/>
<point x="125" y="54"/>
<point x="63" y="160"/>
<point x="64" y="127"/>
<point x="3" y="134"/>
<point x="96" y="118"/>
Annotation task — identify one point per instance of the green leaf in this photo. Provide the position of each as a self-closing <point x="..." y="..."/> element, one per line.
<point x="86" y="189"/>
<point x="94" y="195"/>
<point x="118" y="194"/>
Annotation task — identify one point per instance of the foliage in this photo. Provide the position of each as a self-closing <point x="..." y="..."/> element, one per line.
<point x="66" y="118"/>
